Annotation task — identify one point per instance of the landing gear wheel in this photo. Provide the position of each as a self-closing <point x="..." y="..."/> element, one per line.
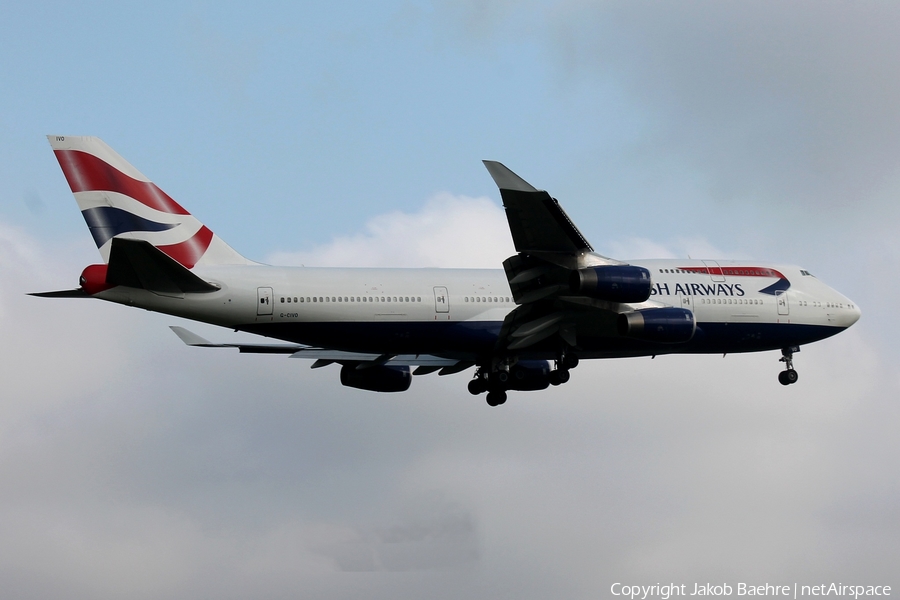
<point x="570" y="361"/>
<point x="477" y="386"/>
<point x="558" y="376"/>
<point x="788" y="377"/>
<point x="496" y="398"/>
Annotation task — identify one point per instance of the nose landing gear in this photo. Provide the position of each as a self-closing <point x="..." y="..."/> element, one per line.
<point x="789" y="375"/>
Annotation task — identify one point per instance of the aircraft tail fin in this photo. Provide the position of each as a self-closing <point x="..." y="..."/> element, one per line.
<point x="118" y="201"/>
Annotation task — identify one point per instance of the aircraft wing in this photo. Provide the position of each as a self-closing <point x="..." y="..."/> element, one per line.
<point x="550" y="249"/>
<point x="326" y="356"/>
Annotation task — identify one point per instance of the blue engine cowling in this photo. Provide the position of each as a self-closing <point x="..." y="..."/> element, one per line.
<point x="529" y="375"/>
<point x="376" y="379"/>
<point x="615" y="283"/>
<point x="665" y="325"/>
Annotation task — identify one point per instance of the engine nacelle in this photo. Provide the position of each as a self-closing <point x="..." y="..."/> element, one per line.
<point x="615" y="283"/>
<point x="529" y="375"/>
<point x="377" y="379"/>
<point x="665" y="325"/>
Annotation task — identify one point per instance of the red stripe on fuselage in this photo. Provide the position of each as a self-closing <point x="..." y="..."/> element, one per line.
<point x="189" y="251"/>
<point x="735" y="271"/>
<point x="87" y="173"/>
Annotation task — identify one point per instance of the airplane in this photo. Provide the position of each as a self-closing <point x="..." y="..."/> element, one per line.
<point x="555" y="301"/>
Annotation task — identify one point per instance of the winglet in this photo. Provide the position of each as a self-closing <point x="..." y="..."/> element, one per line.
<point x="506" y="179"/>
<point x="190" y="338"/>
<point x="536" y="221"/>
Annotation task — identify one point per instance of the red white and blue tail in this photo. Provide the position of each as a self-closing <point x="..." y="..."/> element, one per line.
<point x="117" y="200"/>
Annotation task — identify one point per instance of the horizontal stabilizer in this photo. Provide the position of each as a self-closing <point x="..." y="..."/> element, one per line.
<point x="139" y="264"/>
<point x="76" y="293"/>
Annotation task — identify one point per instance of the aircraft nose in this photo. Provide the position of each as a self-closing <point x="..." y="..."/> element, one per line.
<point x="855" y="314"/>
<point x="850" y="314"/>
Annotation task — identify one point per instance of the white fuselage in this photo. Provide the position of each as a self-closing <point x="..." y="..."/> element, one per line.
<point x="295" y="303"/>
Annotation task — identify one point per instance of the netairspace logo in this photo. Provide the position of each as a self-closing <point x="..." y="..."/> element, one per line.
<point x="670" y="590"/>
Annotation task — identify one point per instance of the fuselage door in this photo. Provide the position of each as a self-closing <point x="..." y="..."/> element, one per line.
<point x="714" y="270"/>
<point x="265" y="306"/>
<point x="441" y="300"/>
<point x="781" y="300"/>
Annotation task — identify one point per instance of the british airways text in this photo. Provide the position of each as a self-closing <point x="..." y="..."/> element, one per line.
<point x="698" y="289"/>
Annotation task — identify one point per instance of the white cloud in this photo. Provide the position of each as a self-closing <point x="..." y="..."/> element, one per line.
<point x="449" y="231"/>
<point x="193" y="471"/>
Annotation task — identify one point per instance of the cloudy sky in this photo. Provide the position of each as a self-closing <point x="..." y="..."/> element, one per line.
<point x="132" y="466"/>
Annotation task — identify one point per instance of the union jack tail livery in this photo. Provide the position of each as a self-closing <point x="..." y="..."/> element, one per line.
<point x="118" y="201"/>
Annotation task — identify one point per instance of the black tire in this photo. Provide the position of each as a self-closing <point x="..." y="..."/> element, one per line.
<point x="782" y="378"/>
<point x="570" y="361"/>
<point x="791" y="376"/>
<point x="553" y="378"/>
<point x="496" y="398"/>
<point x="563" y="375"/>
<point x="502" y="376"/>
<point x="477" y="386"/>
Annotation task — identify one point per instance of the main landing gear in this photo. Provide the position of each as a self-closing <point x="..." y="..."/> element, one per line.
<point x="494" y="383"/>
<point x="564" y="363"/>
<point x="789" y="375"/>
<point x="521" y="375"/>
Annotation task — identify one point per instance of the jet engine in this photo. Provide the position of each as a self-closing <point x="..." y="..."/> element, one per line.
<point x="529" y="375"/>
<point x="615" y="283"/>
<point x="377" y="378"/>
<point x="525" y="376"/>
<point x="665" y="325"/>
